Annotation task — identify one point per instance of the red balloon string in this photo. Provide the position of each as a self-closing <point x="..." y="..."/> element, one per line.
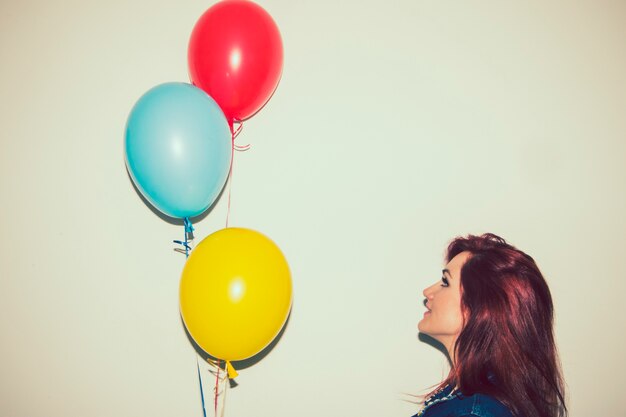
<point x="237" y="131"/>
<point x="234" y="133"/>
<point x="230" y="171"/>
<point x="217" y="381"/>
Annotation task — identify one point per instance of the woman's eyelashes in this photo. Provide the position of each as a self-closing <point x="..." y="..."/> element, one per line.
<point x="444" y="282"/>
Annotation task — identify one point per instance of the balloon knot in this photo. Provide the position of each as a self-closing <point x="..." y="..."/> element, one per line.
<point x="186" y="246"/>
<point x="188" y="226"/>
<point x="230" y="369"/>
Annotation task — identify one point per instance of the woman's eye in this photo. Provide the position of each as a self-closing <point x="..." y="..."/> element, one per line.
<point x="444" y="282"/>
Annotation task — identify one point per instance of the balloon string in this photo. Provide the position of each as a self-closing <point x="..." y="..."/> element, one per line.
<point x="219" y="378"/>
<point x="201" y="390"/>
<point x="234" y="133"/>
<point x="186" y="244"/>
<point x="230" y="186"/>
<point x="224" y="398"/>
<point x="217" y="382"/>
<point x="186" y="248"/>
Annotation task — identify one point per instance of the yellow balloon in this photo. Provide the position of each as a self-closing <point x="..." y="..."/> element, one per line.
<point x="235" y="293"/>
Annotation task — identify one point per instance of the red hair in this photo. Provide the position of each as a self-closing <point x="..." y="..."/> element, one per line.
<point x="506" y="348"/>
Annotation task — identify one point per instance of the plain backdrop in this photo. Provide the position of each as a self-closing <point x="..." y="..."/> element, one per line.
<point x="396" y="126"/>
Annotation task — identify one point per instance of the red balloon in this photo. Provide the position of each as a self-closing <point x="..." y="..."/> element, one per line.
<point x="236" y="56"/>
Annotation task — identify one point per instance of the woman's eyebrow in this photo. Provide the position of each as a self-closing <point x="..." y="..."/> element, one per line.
<point x="445" y="271"/>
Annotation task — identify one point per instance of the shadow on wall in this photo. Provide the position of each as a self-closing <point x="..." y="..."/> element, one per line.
<point x="242" y="364"/>
<point x="424" y="338"/>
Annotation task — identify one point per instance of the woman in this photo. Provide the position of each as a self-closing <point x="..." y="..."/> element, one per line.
<point x="493" y="313"/>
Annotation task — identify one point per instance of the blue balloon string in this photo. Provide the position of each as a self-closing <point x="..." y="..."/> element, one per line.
<point x="185" y="245"/>
<point x="201" y="390"/>
<point x="188" y="226"/>
<point x="189" y="234"/>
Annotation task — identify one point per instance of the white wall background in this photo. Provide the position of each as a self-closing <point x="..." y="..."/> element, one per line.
<point x="395" y="127"/>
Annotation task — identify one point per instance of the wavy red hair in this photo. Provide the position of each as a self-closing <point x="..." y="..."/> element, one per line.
<point x="506" y="348"/>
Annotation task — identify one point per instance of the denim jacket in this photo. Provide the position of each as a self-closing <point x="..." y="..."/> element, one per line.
<point x="452" y="403"/>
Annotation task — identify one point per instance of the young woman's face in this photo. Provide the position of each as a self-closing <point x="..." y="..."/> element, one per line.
<point x="443" y="319"/>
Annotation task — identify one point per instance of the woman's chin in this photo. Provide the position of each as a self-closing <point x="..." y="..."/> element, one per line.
<point x="421" y="327"/>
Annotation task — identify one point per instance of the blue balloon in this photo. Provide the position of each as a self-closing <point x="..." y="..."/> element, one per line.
<point x="178" y="149"/>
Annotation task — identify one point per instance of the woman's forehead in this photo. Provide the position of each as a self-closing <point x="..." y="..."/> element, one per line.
<point x="454" y="266"/>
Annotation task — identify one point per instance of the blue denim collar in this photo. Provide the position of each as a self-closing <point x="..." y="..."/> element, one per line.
<point x="445" y="394"/>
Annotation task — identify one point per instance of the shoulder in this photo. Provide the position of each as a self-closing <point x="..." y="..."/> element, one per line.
<point x="487" y="406"/>
<point x="476" y="405"/>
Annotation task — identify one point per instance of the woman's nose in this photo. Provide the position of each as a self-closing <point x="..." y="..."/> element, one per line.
<point x="428" y="292"/>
